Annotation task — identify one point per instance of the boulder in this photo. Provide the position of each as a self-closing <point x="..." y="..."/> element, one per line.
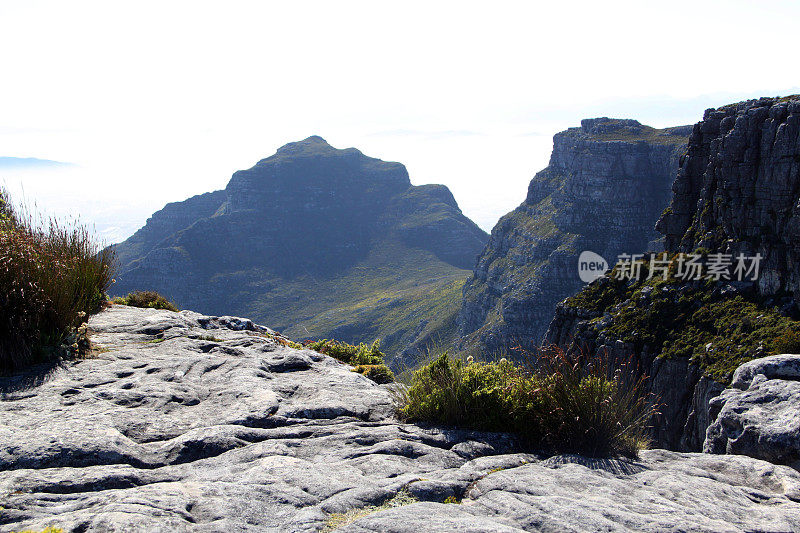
<point x="759" y="415"/>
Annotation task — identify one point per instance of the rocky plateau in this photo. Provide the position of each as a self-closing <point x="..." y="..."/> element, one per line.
<point x="187" y="422"/>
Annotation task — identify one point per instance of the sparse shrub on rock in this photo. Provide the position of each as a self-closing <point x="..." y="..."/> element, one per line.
<point x="788" y="342"/>
<point x="150" y="299"/>
<point x="557" y="402"/>
<point x="52" y="276"/>
<point x="378" y="373"/>
<point x="367" y="360"/>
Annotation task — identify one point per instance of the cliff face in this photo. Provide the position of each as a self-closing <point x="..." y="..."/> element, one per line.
<point x="737" y="191"/>
<point x="316" y="241"/>
<point x="605" y="186"/>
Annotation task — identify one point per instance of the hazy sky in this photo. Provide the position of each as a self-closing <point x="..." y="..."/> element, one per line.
<point x="157" y="101"/>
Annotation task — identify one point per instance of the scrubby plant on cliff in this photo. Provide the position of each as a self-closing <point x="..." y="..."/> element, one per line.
<point x="715" y="326"/>
<point x="52" y="276"/>
<point x="147" y="299"/>
<point x="367" y="360"/>
<point x="556" y="402"/>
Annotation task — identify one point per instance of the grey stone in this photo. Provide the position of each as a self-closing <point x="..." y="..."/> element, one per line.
<point x="759" y="415"/>
<point x="172" y="432"/>
<point x="662" y="491"/>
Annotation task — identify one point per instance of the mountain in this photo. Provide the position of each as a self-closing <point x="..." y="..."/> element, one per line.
<point x="316" y="242"/>
<point x="30" y="163"/>
<point x="737" y="192"/>
<point x="605" y="186"/>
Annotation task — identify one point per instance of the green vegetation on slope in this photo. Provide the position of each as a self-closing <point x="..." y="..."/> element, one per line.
<point x="532" y="229"/>
<point x="675" y="135"/>
<point x="695" y="320"/>
<point x="563" y="404"/>
<point x="52" y="276"/>
<point x="400" y="295"/>
<point x="367" y="360"/>
<point x="147" y="299"/>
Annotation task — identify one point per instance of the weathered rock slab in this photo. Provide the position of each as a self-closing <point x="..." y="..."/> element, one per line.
<point x="192" y="423"/>
<point x="759" y="415"/>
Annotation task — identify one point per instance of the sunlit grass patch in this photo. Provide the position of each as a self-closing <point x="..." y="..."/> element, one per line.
<point x="337" y="520"/>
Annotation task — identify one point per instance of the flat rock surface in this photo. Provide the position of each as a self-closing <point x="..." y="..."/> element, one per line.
<point x="191" y="423"/>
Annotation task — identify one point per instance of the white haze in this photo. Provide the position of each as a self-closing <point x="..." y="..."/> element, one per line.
<point x="157" y="101"/>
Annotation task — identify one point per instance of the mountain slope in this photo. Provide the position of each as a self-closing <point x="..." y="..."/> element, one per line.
<point x="605" y="186"/>
<point x="316" y="241"/>
<point x="737" y="192"/>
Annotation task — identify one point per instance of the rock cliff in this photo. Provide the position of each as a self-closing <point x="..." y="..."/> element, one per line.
<point x="606" y="185"/>
<point x="317" y="241"/>
<point x="737" y="191"/>
<point x="185" y="422"/>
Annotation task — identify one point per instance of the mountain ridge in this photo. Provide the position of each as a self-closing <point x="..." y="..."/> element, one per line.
<point x="284" y="234"/>
<point x="605" y="186"/>
<point x="736" y="192"/>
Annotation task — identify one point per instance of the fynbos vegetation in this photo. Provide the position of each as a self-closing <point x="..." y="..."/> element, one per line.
<point x="52" y="276"/>
<point x="558" y="402"/>
<point x="148" y="299"/>
<point x="367" y="360"/>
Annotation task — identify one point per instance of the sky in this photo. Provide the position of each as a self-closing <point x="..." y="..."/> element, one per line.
<point x="153" y="102"/>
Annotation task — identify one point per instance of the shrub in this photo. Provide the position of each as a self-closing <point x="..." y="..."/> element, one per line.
<point x="367" y="360"/>
<point x="146" y="299"/>
<point x="339" y="520"/>
<point x="557" y="402"/>
<point x="593" y="406"/>
<point x="52" y="276"/>
<point x="486" y="396"/>
<point x="789" y="342"/>
<point x="378" y="373"/>
<point x="349" y="353"/>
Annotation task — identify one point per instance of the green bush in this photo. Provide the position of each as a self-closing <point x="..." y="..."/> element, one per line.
<point x="348" y="353"/>
<point x="147" y="299"/>
<point x="789" y="342"/>
<point x="52" y="276"/>
<point x="378" y="373"/>
<point x="486" y="396"/>
<point x="367" y="360"/>
<point x="556" y="402"/>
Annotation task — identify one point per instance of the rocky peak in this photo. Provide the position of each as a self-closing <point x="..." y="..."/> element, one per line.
<point x="739" y="187"/>
<point x="308" y="146"/>
<point x="311" y="174"/>
<point x="737" y="191"/>
<point x="318" y="241"/>
<point x="605" y="186"/>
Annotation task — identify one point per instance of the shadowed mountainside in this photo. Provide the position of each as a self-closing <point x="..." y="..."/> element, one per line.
<point x="316" y="241"/>
<point x="604" y="189"/>
<point x="737" y="192"/>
